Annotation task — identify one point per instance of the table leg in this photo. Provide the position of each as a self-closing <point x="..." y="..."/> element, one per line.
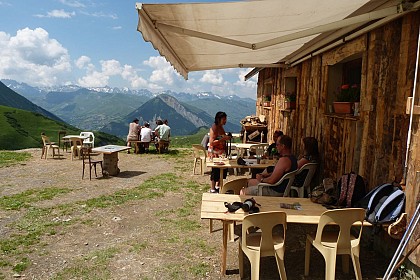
<point x="222" y="171"/>
<point x="111" y="164"/>
<point x="224" y="248"/>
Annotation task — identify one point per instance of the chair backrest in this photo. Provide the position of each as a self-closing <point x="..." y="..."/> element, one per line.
<point x="344" y="218"/>
<point x="89" y="140"/>
<point x="45" y="140"/>
<point x="308" y="171"/>
<point x="199" y="151"/>
<point x="234" y="185"/>
<point x="265" y="221"/>
<point x="258" y="149"/>
<point x="85" y="154"/>
<point x="290" y="176"/>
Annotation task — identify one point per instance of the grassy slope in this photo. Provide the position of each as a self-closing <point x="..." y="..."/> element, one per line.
<point x="21" y="129"/>
<point x="187" y="140"/>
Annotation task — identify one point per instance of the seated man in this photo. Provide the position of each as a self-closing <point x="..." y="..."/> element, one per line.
<point x="163" y="132"/>
<point x="146" y="136"/>
<point x="285" y="164"/>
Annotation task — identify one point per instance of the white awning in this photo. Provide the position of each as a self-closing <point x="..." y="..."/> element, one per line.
<point x="204" y="36"/>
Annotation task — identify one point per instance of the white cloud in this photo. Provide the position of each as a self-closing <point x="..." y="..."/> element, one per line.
<point x="82" y="61"/>
<point x="212" y="77"/>
<point x="32" y="57"/>
<point x="74" y="4"/>
<point x="3" y="3"/>
<point x="251" y="83"/>
<point x="163" y="73"/>
<point x="116" y="28"/>
<point x="57" y="14"/>
<point x="100" y="15"/>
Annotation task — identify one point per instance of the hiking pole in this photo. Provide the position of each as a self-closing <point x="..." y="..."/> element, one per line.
<point x="403" y="243"/>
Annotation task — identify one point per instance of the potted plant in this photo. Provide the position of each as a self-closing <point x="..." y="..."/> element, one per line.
<point x="290" y="100"/>
<point x="346" y="97"/>
<point x="267" y="101"/>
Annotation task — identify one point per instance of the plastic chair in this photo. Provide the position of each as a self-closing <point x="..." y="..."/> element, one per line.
<point x="199" y="156"/>
<point x="76" y="146"/>
<point x="288" y="176"/>
<point x="305" y="174"/>
<point x="86" y="157"/>
<point x="333" y="243"/>
<point x="264" y="242"/>
<point x="47" y="145"/>
<point x="88" y="141"/>
<point x="235" y="186"/>
<point x="258" y="149"/>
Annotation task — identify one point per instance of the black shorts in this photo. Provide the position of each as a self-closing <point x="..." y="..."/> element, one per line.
<point x="215" y="174"/>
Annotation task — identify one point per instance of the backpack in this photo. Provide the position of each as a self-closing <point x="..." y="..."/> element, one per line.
<point x="350" y="189"/>
<point x="385" y="204"/>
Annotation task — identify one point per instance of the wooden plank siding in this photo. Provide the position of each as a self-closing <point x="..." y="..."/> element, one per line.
<point x="374" y="143"/>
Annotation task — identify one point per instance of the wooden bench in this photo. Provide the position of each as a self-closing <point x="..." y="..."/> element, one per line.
<point x="137" y="144"/>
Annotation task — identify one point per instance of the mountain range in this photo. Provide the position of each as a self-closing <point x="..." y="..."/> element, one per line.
<point x="111" y="109"/>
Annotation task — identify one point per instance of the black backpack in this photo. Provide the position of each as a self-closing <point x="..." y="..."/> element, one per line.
<point x="383" y="204"/>
<point x="350" y="189"/>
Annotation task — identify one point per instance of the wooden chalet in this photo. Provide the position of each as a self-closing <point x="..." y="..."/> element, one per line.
<point x="305" y="51"/>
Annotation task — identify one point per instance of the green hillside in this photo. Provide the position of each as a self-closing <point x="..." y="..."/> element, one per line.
<point x="90" y="109"/>
<point x="21" y="129"/>
<point x="12" y="99"/>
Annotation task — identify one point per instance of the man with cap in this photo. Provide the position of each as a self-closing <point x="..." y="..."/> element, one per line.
<point x="133" y="132"/>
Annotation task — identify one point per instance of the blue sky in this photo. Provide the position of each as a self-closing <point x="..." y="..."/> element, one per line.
<point x="95" y="43"/>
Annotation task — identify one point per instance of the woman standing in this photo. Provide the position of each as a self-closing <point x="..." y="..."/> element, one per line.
<point x="217" y="146"/>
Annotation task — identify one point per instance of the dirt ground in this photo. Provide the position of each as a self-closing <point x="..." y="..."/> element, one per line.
<point x="160" y="236"/>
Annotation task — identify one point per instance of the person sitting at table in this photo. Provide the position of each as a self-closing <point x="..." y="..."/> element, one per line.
<point x="146" y="136"/>
<point x="163" y="132"/>
<point x="133" y="132"/>
<point x="271" y="150"/>
<point x="217" y="147"/>
<point x="310" y="151"/>
<point x="286" y="163"/>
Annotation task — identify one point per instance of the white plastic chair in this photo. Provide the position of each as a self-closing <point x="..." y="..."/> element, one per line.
<point x="90" y="141"/>
<point x="258" y="149"/>
<point x="340" y="242"/>
<point x="288" y="176"/>
<point x="310" y="169"/>
<point x="264" y="242"/>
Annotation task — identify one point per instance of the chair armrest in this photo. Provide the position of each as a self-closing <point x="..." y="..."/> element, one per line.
<point x="261" y="186"/>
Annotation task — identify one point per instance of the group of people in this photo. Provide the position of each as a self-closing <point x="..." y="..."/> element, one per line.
<point x="145" y="134"/>
<point x="281" y="148"/>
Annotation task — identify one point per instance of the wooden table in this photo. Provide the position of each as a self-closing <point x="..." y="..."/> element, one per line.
<point x="111" y="157"/>
<point x="233" y="164"/>
<point x="212" y="207"/>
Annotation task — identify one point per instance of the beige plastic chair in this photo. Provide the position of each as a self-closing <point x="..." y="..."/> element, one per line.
<point x="235" y="186"/>
<point x="199" y="156"/>
<point x="288" y="176"/>
<point x="263" y="242"/>
<point x="309" y="169"/>
<point x="76" y="146"/>
<point x="339" y="242"/>
<point x="47" y="145"/>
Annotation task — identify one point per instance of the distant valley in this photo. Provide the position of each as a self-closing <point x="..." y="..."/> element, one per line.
<point x="111" y="109"/>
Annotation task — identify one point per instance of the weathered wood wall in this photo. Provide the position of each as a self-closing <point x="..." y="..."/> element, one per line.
<point x="374" y="143"/>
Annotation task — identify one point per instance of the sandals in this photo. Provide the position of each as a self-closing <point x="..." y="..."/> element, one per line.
<point x="214" y="191"/>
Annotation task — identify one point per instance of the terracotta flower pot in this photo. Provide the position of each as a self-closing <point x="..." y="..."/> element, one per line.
<point x="290" y="104"/>
<point x="343" y="107"/>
